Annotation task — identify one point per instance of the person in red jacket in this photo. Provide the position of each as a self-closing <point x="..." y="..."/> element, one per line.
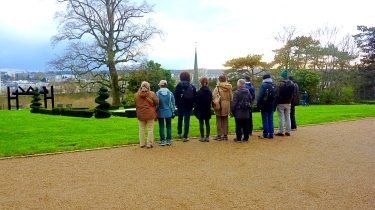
<point x="145" y="103"/>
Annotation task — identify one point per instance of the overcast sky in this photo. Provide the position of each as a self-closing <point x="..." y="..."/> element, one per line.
<point x="223" y="29"/>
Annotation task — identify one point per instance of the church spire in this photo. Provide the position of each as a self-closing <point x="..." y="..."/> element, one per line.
<point x="195" y="74"/>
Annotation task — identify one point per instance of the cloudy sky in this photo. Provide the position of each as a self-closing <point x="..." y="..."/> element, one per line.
<point x="222" y="29"/>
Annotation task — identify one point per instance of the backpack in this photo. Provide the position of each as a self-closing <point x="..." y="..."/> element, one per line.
<point x="188" y="93"/>
<point x="271" y="93"/>
<point x="216" y="100"/>
<point x="244" y="102"/>
<point x="288" y="90"/>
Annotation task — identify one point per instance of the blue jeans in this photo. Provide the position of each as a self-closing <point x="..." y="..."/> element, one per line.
<point x="267" y="122"/>
<point x="161" y="128"/>
<point x="183" y="115"/>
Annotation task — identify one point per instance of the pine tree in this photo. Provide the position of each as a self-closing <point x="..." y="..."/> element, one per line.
<point x="35" y="104"/>
<point x="101" y="111"/>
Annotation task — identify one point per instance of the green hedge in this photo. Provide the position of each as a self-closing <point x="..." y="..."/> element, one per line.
<point x="68" y="112"/>
<point x="77" y="113"/>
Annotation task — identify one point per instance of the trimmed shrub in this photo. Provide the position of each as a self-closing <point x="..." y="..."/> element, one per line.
<point x="101" y="111"/>
<point x="35" y="104"/>
<point x="56" y="111"/>
<point x="77" y="113"/>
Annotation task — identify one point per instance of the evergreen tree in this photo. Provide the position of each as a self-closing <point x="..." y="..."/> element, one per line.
<point x="101" y="111"/>
<point x="35" y="104"/>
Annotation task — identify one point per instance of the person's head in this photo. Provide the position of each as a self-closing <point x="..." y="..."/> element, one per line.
<point x="185" y="76"/>
<point x="266" y="76"/>
<point x="222" y="78"/>
<point x="241" y="83"/>
<point x="292" y="79"/>
<point x="203" y="81"/>
<point x="145" y="86"/>
<point x="163" y="83"/>
<point x="247" y="78"/>
<point x="284" y="74"/>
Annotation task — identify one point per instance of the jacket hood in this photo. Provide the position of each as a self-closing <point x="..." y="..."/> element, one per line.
<point x="185" y="84"/>
<point x="224" y="86"/>
<point x="163" y="91"/>
<point x="267" y="80"/>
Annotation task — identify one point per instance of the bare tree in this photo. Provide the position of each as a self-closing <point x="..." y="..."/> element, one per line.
<point x="286" y="35"/>
<point x="102" y="34"/>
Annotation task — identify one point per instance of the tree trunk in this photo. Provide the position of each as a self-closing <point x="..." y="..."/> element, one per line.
<point x="114" y="86"/>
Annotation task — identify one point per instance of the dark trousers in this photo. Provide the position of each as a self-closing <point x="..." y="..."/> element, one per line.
<point x="292" y="117"/>
<point x="242" y="127"/>
<point x="201" y="124"/>
<point x="250" y="121"/>
<point x="183" y="115"/>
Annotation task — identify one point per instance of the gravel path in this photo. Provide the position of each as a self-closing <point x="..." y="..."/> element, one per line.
<point x="329" y="166"/>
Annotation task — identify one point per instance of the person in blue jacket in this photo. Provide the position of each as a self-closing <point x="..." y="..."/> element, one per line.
<point x="184" y="94"/>
<point x="267" y="108"/>
<point x="165" y="111"/>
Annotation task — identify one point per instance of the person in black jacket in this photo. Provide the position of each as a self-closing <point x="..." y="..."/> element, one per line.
<point x="202" y="110"/>
<point x="240" y="111"/>
<point x="184" y="104"/>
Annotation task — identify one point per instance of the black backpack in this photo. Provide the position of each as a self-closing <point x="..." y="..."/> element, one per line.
<point x="271" y="93"/>
<point x="245" y="102"/>
<point x="188" y="93"/>
<point x="288" y="90"/>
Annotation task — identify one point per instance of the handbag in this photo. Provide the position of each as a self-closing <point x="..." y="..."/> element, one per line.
<point x="152" y="107"/>
<point x="216" y="100"/>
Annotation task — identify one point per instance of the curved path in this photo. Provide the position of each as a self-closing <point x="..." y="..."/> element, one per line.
<point x="328" y="166"/>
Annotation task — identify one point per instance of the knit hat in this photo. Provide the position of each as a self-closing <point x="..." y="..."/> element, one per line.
<point x="284" y="73"/>
<point x="145" y="86"/>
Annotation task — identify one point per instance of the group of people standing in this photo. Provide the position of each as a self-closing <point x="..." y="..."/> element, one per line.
<point x="160" y="107"/>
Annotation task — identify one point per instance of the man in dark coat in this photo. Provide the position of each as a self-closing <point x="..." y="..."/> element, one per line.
<point x="241" y="113"/>
<point x="184" y="106"/>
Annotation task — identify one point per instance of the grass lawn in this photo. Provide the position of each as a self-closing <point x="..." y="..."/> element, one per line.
<point x="24" y="133"/>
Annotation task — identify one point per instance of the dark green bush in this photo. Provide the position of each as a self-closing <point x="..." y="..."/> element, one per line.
<point x="45" y="111"/>
<point x="327" y="97"/>
<point x="101" y="111"/>
<point x="35" y="104"/>
<point x="56" y="111"/>
<point x="77" y="113"/>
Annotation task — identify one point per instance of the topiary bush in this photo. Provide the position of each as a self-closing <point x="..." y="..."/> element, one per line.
<point x="35" y="104"/>
<point x="101" y="111"/>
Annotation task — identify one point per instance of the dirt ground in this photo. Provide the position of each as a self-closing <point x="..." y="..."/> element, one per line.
<point x="328" y="166"/>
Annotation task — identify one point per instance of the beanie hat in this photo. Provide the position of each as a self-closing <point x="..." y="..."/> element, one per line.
<point x="266" y="76"/>
<point x="284" y="73"/>
<point x="145" y="86"/>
